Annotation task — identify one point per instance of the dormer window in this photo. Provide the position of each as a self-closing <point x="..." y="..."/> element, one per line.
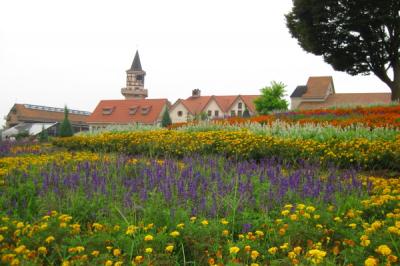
<point x="145" y="110"/>
<point x="240" y="105"/>
<point x="133" y="110"/>
<point x="108" y="110"/>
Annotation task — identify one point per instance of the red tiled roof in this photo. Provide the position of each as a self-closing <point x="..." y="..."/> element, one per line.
<point x="317" y="87"/>
<point x="196" y="105"/>
<point x="343" y="99"/>
<point x="121" y="113"/>
<point x="29" y="114"/>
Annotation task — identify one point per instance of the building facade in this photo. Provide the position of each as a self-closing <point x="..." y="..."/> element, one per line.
<point x="319" y="93"/>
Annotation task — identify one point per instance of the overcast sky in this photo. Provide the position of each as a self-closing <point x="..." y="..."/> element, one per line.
<point x="75" y="53"/>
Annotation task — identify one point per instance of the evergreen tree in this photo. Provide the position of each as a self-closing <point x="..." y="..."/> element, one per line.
<point x="66" y="127"/>
<point x="246" y="113"/>
<point x="43" y="135"/>
<point x="166" y="119"/>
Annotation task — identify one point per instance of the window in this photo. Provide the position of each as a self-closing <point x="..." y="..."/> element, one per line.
<point x="139" y="77"/>
<point x="233" y="113"/>
<point x="239" y="112"/>
<point x="108" y="110"/>
<point x="216" y="113"/>
<point x="209" y="113"/>
<point x="180" y="113"/>
<point x="240" y="105"/>
<point x="146" y="110"/>
<point x="133" y="110"/>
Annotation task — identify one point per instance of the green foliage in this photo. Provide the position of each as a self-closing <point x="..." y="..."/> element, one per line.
<point x="166" y="119"/>
<point x="271" y="98"/>
<point x="357" y="37"/>
<point x="43" y="135"/>
<point x="22" y="135"/>
<point x="66" y="127"/>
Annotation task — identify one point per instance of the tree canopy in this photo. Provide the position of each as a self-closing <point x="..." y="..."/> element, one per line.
<point x="271" y="98"/>
<point x="355" y="36"/>
<point x="66" y="127"/>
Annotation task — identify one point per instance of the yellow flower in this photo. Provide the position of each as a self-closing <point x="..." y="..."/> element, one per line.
<point x="49" y="239"/>
<point x="301" y="206"/>
<point x="193" y="219"/>
<point x="148" y="238"/>
<point x="316" y="256"/>
<point x="291" y="255"/>
<point x="254" y="254"/>
<point x="116" y="252"/>
<point x="254" y="264"/>
<point x="20" y="225"/>
<point x="371" y="262"/>
<point x="225" y="232"/>
<point x="180" y="226"/>
<point x="42" y="250"/>
<point x="259" y="233"/>
<point x="131" y="230"/>
<point x="15" y="262"/>
<point x="108" y="263"/>
<point x="224" y="222"/>
<point x="297" y="250"/>
<point x="174" y="234"/>
<point x="169" y="248"/>
<point x="353" y="225"/>
<point x="310" y="209"/>
<point x="285" y="212"/>
<point x="65" y="263"/>
<point x="148" y="250"/>
<point x="80" y="249"/>
<point x="364" y="241"/>
<point x="234" y="250"/>
<point x="95" y="253"/>
<point x="384" y="250"/>
<point x="272" y="250"/>
<point x="97" y="226"/>
<point x="284" y="246"/>
<point x="204" y="222"/>
<point x="293" y="217"/>
<point x="139" y="259"/>
<point x="20" y="249"/>
<point x="119" y="263"/>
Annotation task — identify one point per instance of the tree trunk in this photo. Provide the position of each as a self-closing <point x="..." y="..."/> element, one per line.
<point x="395" y="88"/>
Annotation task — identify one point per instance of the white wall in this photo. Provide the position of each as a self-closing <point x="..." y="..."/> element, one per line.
<point x="213" y="106"/>
<point x="174" y="114"/>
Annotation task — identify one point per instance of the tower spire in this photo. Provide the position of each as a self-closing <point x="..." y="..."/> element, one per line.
<point x="136" y="65"/>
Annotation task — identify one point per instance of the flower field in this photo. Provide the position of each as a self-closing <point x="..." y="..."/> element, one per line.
<point x="204" y="195"/>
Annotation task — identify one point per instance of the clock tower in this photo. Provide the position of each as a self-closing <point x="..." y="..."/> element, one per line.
<point x="135" y="81"/>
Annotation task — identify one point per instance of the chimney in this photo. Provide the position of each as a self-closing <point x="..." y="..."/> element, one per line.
<point x="196" y="93"/>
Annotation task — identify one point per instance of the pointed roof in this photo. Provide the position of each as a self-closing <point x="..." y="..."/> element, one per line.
<point x="136" y="66"/>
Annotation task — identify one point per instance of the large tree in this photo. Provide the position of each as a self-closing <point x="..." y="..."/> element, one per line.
<point x="271" y="99"/>
<point x="355" y="36"/>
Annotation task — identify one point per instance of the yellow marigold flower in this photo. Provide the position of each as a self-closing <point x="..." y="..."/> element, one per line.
<point x="1" y="238"/>
<point x="71" y="250"/>
<point x="371" y="262"/>
<point x="310" y="209"/>
<point x="376" y="225"/>
<point x="225" y="232"/>
<point x="49" y="239"/>
<point x="95" y="253"/>
<point x="46" y="217"/>
<point x="337" y="219"/>
<point x="65" y="263"/>
<point x="234" y="250"/>
<point x="297" y="250"/>
<point x="391" y="229"/>
<point x="63" y="225"/>
<point x="254" y="254"/>
<point x="317" y="216"/>
<point x="193" y="219"/>
<point x="285" y="212"/>
<point x="224" y="222"/>
<point x="80" y="249"/>
<point x="131" y="230"/>
<point x="139" y="259"/>
<point x="97" y="226"/>
<point x="180" y="226"/>
<point x="241" y="236"/>
<point x="254" y="264"/>
<point x="384" y="250"/>
<point x="42" y="250"/>
<point x="288" y="206"/>
<point x="148" y="238"/>
<point x="284" y="246"/>
<point x="119" y="263"/>
<point x="259" y="233"/>
<point x="174" y="234"/>
<point x="353" y="225"/>
<point x="116" y="252"/>
<point x="148" y="250"/>
<point x="20" y="249"/>
<point x="15" y="262"/>
<point x="204" y="222"/>
<point x="108" y="263"/>
<point x="316" y="256"/>
<point x="291" y="255"/>
<point x="109" y="248"/>
<point x="282" y="231"/>
<point x="294" y="217"/>
<point x="392" y="258"/>
<point x="117" y="227"/>
<point x="272" y="250"/>
<point x="300" y="206"/>
<point x="247" y="248"/>
<point x="20" y="225"/>
<point x="169" y="248"/>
